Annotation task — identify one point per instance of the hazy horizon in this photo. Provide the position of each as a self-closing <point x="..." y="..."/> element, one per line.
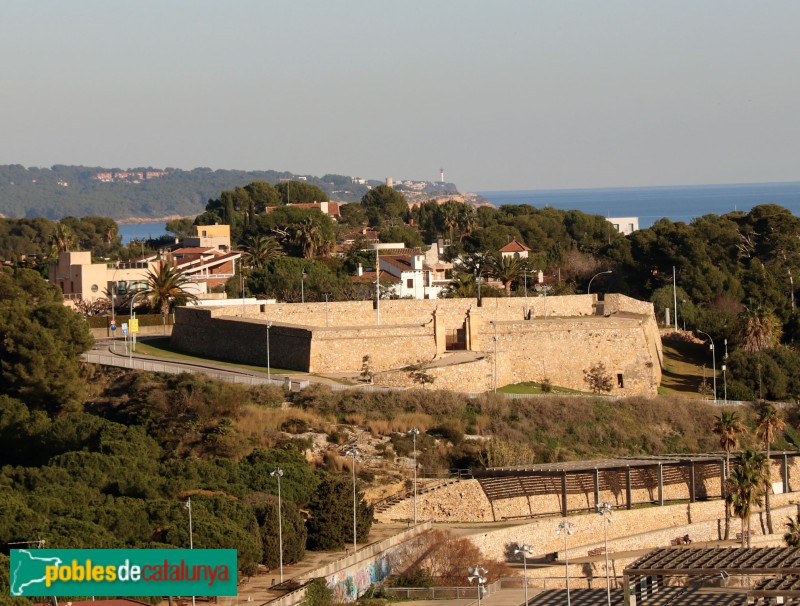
<point x="518" y="95"/>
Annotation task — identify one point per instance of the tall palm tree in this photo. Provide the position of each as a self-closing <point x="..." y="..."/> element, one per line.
<point x="506" y="269"/>
<point x="759" y="330"/>
<point x="728" y="427"/>
<point x="792" y="537"/>
<point x="746" y="486"/>
<point x="260" y="250"/>
<point x="308" y="236"/>
<point x="165" y="286"/>
<point x="62" y="239"/>
<point x="768" y="424"/>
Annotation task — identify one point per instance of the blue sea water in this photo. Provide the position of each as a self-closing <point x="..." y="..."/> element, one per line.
<point x="677" y="203"/>
<point x="142" y="231"/>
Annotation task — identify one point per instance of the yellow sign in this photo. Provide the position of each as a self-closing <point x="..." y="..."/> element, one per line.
<point x="133" y="325"/>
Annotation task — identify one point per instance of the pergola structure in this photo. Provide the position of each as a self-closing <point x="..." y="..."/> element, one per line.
<point x="721" y="576"/>
<point x="633" y="480"/>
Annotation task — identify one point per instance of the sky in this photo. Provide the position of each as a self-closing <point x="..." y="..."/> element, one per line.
<point x="503" y="95"/>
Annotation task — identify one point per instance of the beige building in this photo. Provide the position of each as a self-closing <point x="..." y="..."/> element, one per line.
<point x="206" y="258"/>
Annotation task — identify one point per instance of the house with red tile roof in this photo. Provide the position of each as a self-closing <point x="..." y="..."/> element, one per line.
<point x="515" y="249"/>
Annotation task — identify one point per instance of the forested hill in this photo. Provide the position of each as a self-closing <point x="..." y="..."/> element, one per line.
<point x="81" y="191"/>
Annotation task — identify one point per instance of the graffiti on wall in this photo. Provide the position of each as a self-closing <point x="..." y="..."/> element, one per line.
<point x="351" y="583"/>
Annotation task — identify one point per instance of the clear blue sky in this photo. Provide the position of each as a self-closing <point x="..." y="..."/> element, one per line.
<point x="504" y="95"/>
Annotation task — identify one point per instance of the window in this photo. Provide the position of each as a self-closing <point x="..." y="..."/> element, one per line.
<point x="410" y="283"/>
<point x="620" y="381"/>
<point x="630" y="227"/>
<point x="95" y="288"/>
<point x="204" y="233"/>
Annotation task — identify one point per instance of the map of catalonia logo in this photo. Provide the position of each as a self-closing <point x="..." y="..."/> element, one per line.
<point x="123" y="572"/>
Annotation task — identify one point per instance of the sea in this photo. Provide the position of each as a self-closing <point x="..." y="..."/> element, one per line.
<point x="649" y="204"/>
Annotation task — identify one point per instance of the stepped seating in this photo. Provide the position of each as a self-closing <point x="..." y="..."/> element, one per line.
<point x="424" y="485"/>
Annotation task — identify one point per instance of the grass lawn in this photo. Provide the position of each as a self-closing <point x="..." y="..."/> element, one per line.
<point x="536" y="388"/>
<point x="161" y="348"/>
<point x="683" y="368"/>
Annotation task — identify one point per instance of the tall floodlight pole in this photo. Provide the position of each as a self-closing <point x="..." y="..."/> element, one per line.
<point x="302" y="286"/>
<point x="675" y="300"/>
<point x="542" y="289"/>
<point x="378" y="283"/>
<point x="241" y="269"/>
<point x="604" y="509"/>
<point x="188" y="505"/>
<point x="713" y="361"/>
<point x="525" y="278"/>
<point x="353" y="452"/>
<point x="589" y="288"/>
<point x="269" y="370"/>
<point x="278" y="474"/>
<point x="414" y="432"/>
<point x="478" y="574"/>
<point x="565" y="528"/>
<point x="525" y="550"/>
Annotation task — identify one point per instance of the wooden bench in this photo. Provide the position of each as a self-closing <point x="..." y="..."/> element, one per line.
<point x="597" y="551"/>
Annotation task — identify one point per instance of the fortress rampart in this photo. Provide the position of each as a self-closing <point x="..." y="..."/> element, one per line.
<point x="577" y="332"/>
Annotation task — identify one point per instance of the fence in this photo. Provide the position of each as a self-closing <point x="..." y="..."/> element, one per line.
<point x="441" y="593"/>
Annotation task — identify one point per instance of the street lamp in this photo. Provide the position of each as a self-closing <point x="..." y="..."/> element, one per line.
<point x="543" y="289"/>
<point x="725" y="382"/>
<point x="354" y="452"/>
<point x="525" y="550"/>
<point x="604" y="509"/>
<point x="589" y="288"/>
<point x="326" y="294"/>
<point x="565" y="528"/>
<point x="278" y="473"/>
<point x="525" y="278"/>
<point x="133" y="334"/>
<point x="478" y="574"/>
<point x="414" y="432"/>
<point x="269" y="370"/>
<point x="302" y="286"/>
<point x="713" y="361"/>
<point x="188" y="505"/>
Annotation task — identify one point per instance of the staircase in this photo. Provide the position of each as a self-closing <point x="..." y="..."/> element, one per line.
<point x="424" y="485"/>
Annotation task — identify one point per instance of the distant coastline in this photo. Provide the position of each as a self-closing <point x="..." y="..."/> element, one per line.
<point x="138" y="220"/>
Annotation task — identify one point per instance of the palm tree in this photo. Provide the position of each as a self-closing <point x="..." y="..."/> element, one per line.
<point x="768" y="424"/>
<point x="62" y="239"/>
<point x="792" y="537"/>
<point x="728" y="426"/>
<point x="506" y="269"/>
<point x="308" y="236"/>
<point x="759" y="330"/>
<point x="745" y="488"/>
<point x="260" y="250"/>
<point x="165" y="286"/>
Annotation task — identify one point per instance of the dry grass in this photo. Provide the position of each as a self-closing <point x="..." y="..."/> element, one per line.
<point x="259" y="424"/>
<point x="401" y="423"/>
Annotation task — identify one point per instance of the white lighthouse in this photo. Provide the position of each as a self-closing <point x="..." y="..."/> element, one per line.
<point x="441" y="175"/>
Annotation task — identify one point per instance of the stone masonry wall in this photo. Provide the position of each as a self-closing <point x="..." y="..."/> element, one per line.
<point x="343" y="349"/>
<point x="465" y="501"/>
<point x="197" y="331"/>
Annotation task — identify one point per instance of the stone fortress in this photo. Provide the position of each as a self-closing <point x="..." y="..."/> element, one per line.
<point x="462" y="345"/>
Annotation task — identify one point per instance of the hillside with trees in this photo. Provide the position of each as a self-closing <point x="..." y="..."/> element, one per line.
<point x="146" y="192"/>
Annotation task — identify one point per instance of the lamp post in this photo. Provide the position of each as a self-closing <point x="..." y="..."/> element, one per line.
<point x="378" y="285"/>
<point x="326" y="294"/>
<point x="269" y="370"/>
<point x="525" y="550"/>
<point x="302" y="286"/>
<point x="565" y="528"/>
<point x="525" y="280"/>
<point x="188" y="505"/>
<point x="589" y="288"/>
<point x="133" y="334"/>
<point x="604" y="509"/>
<point x="725" y="382"/>
<point x="354" y="452"/>
<point x="414" y="432"/>
<point x="478" y="574"/>
<point x="713" y="361"/>
<point x="543" y="289"/>
<point x="278" y="474"/>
